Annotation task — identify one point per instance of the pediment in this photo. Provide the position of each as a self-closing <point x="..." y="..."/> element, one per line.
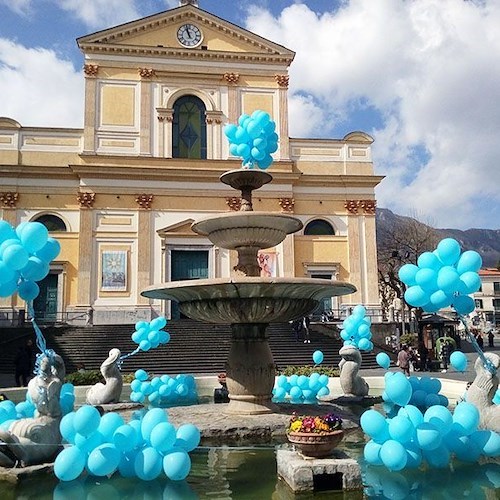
<point x="156" y="35"/>
<point x="182" y="228"/>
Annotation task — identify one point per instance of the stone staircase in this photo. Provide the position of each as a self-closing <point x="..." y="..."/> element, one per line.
<point x="194" y="347"/>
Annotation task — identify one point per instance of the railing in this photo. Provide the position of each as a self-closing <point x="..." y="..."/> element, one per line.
<point x="21" y="318"/>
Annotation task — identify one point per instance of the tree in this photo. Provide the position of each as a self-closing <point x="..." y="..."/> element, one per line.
<point x="400" y="240"/>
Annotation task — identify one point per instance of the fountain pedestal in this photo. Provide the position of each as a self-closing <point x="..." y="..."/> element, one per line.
<point x="250" y="370"/>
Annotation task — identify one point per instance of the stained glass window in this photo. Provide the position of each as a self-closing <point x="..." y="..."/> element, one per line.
<point x="189" y="128"/>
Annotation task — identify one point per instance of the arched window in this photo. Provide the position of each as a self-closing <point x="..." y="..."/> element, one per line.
<point x="51" y="222"/>
<point x="189" y="128"/>
<point x="319" y="227"/>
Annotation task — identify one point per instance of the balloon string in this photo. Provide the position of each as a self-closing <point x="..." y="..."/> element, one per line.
<point x="486" y="362"/>
<point x="40" y="341"/>
<point x="121" y="359"/>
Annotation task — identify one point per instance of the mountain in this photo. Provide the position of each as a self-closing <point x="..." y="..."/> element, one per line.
<point x="484" y="241"/>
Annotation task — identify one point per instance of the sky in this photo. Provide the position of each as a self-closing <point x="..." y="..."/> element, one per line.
<point x="422" y="77"/>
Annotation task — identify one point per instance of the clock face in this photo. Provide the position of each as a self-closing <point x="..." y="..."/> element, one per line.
<point x="189" y="35"/>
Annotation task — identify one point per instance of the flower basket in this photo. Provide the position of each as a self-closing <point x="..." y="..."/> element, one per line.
<point x="315" y="436"/>
<point x="316" y="445"/>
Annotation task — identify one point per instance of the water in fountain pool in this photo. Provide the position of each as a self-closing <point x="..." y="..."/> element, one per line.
<point x="250" y="473"/>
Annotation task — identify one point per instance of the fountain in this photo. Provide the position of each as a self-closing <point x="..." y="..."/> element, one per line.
<point x="246" y="301"/>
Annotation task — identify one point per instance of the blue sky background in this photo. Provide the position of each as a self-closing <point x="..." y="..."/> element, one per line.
<point x="422" y="77"/>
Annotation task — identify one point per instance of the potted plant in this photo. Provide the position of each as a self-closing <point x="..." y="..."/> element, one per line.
<point x="315" y="436"/>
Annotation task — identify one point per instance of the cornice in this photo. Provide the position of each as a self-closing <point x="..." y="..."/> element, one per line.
<point x="174" y="53"/>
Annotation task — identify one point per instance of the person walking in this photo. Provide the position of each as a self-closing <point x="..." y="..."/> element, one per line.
<point x="306" y="322"/>
<point x="24" y="364"/>
<point x="491" y="337"/>
<point x="404" y="360"/>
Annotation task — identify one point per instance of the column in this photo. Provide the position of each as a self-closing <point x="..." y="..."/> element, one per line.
<point x="90" y="71"/>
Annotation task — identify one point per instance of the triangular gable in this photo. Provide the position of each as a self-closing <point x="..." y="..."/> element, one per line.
<point x="158" y="33"/>
<point x="182" y="228"/>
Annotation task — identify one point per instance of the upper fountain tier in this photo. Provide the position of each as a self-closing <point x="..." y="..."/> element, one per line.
<point x="247" y="231"/>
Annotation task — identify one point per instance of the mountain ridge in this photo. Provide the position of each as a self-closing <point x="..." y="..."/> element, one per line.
<point x="484" y="241"/>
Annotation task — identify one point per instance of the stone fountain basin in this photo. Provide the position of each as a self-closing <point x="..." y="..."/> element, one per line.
<point x="247" y="229"/>
<point x="248" y="299"/>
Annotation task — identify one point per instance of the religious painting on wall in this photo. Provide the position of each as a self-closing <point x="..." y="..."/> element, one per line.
<point x="267" y="264"/>
<point x="114" y="270"/>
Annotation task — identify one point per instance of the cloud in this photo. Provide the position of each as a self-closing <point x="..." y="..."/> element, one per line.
<point x="100" y="14"/>
<point x="43" y="90"/>
<point x="430" y="69"/>
<point x="21" y="7"/>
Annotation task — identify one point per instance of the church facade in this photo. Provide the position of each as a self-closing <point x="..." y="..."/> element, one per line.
<point x="120" y="194"/>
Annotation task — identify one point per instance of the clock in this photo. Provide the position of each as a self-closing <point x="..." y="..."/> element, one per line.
<point x="189" y="35"/>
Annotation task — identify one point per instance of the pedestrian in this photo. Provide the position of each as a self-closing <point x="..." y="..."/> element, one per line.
<point x="24" y="364"/>
<point x="491" y="338"/>
<point x="404" y="360"/>
<point x="479" y="339"/>
<point x="296" y="326"/>
<point x="423" y="354"/>
<point x="306" y="322"/>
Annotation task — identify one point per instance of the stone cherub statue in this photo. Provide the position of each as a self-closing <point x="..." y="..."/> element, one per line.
<point x="37" y="440"/>
<point x="110" y="391"/>
<point x="482" y="391"/>
<point x="352" y="384"/>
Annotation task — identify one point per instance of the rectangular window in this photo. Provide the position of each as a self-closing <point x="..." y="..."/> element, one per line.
<point x="479" y="303"/>
<point x="496" y="304"/>
<point x="496" y="286"/>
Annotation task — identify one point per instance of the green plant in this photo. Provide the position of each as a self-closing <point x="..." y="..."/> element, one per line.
<point x="307" y="370"/>
<point x="409" y="339"/>
<point x="128" y="378"/>
<point x="85" y="377"/>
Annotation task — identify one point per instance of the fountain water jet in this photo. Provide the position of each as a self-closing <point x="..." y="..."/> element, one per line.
<point x="247" y="301"/>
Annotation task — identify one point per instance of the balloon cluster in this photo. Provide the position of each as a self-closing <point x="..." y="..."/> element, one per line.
<point x="443" y="278"/>
<point x="422" y="392"/>
<point x="143" y="448"/>
<point x="301" y="388"/>
<point x="496" y="397"/>
<point x="356" y="330"/>
<point x="412" y="437"/>
<point x="457" y="482"/>
<point x="164" y="391"/>
<point x="150" y="335"/>
<point x="25" y="254"/>
<point x="10" y="411"/>
<point x="254" y="139"/>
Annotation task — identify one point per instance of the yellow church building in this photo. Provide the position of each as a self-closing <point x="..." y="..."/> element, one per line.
<point x="121" y="193"/>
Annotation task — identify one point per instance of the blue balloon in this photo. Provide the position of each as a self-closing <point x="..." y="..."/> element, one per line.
<point x="440" y="299"/>
<point x="89" y="442"/>
<point x="15" y="256"/>
<point x="318" y="357"/>
<point x="401" y="429"/>
<point x="465" y="418"/>
<point x="371" y="452"/>
<point x="67" y="428"/>
<point x="8" y="288"/>
<point x="141" y="375"/>
<point x="34" y="236"/>
<point x="438" y="457"/>
<point x="103" y="460"/>
<point x="148" y="464"/>
<point x="86" y="420"/>
<point x="416" y="296"/>
<point x="458" y="360"/>
<point x="109" y="423"/>
<point x="28" y="290"/>
<point x="469" y="261"/>
<point x="448" y="251"/>
<point x="393" y="455"/>
<point x="177" y="465"/>
<point x="399" y="389"/>
<point x="429" y="260"/>
<point x="69" y="464"/>
<point x="152" y="418"/>
<point x="158" y="323"/>
<point x="463" y="304"/>
<point x="50" y="250"/>
<point x="427" y="279"/>
<point x="163" y="437"/>
<point x="440" y="417"/>
<point x="428" y="436"/>
<point x="374" y="424"/>
<point x="487" y="441"/>
<point x="295" y="392"/>
<point x="471" y="281"/>
<point x="383" y="360"/>
<point x="448" y="279"/>
<point x="125" y="438"/>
